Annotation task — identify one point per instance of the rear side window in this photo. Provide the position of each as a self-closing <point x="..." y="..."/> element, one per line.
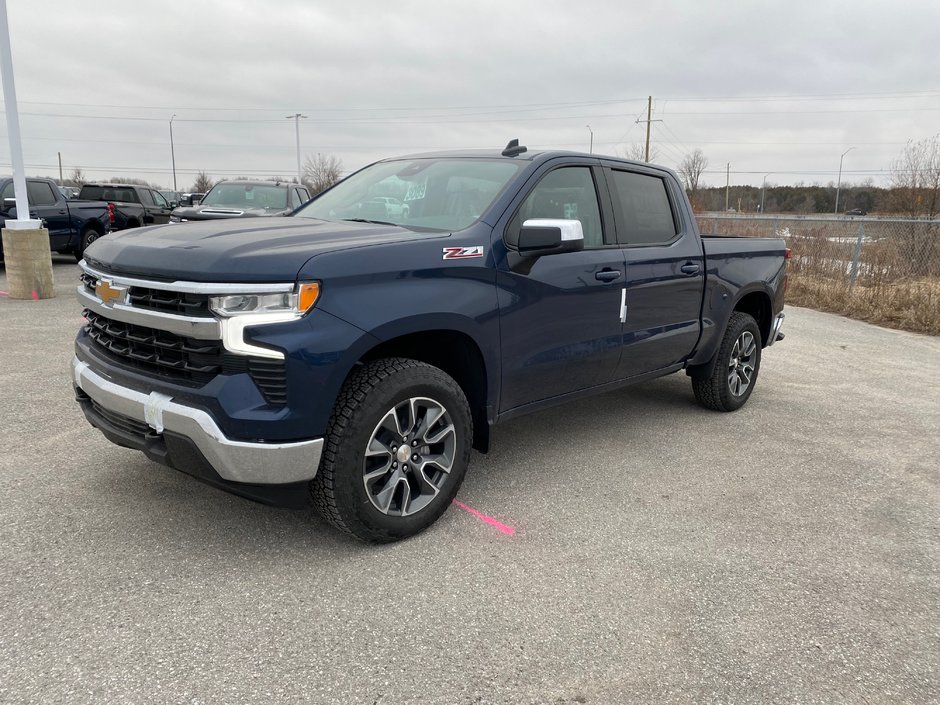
<point x="147" y="197"/>
<point x="40" y="193"/>
<point x="644" y="214"/>
<point x="295" y="198"/>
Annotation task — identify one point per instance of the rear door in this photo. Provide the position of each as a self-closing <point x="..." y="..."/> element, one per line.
<point x="665" y="272"/>
<point x="161" y="210"/>
<point x="560" y="313"/>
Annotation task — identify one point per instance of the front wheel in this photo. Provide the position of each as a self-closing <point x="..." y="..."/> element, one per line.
<point x="396" y="450"/>
<point x="736" y="367"/>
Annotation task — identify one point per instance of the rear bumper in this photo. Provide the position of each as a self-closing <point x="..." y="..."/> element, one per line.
<point x="155" y="424"/>
<point x="775" y="330"/>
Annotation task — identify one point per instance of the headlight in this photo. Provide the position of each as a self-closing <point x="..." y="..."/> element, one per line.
<point x="297" y="302"/>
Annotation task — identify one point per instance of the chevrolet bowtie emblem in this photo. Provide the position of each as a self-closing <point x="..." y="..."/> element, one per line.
<point x="109" y="293"/>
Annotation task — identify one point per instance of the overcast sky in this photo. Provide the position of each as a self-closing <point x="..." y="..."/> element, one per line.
<point x="780" y="87"/>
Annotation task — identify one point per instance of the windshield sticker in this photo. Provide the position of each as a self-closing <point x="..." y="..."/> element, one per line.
<point x="463" y="252"/>
<point x="416" y="190"/>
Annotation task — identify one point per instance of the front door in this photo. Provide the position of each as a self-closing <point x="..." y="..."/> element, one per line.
<point x="560" y="314"/>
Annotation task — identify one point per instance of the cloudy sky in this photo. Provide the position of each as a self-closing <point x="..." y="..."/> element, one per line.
<point x="779" y="87"/>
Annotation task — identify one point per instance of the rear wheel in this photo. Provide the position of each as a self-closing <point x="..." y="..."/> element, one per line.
<point x="736" y="367"/>
<point x="396" y="451"/>
<point x="89" y="235"/>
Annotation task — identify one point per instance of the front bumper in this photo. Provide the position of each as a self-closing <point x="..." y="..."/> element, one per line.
<point x="169" y="423"/>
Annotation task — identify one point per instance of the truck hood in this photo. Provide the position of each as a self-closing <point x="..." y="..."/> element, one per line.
<point x="238" y="250"/>
<point x="219" y="212"/>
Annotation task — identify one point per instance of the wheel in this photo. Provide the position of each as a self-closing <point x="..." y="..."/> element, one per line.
<point x="736" y="367"/>
<point x="405" y="210"/>
<point x="396" y="450"/>
<point x="88" y="237"/>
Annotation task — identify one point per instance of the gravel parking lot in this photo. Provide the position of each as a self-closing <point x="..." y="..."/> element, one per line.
<point x="789" y="552"/>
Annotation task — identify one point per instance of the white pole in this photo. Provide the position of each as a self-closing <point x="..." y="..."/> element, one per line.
<point x="22" y="221"/>
<point x="173" y="152"/>
<point x="839" y="182"/>
<point x="296" y="118"/>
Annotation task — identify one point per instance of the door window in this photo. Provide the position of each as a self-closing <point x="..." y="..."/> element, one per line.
<point x="40" y="194"/>
<point x="159" y="199"/>
<point x="644" y="214"/>
<point x="146" y="197"/>
<point x="567" y="193"/>
<point x="294" y="198"/>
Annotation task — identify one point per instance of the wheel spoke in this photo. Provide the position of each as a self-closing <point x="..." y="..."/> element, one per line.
<point x="377" y="447"/>
<point x="734" y="383"/>
<point x="745" y="373"/>
<point x="440" y="435"/>
<point x="405" y="497"/>
<point x="440" y="462"/>
<point x="431" y="417"/>
<point x="389" y="423"/>
<point x="383" y="500"/>
<point x="426" y="486"/>
<point x="749" y="345"/>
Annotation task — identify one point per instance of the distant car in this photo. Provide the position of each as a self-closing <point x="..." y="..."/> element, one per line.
<point x="384" y="207"/>
<point x="856" y="211"/>
<point x="244" y="199"/>
<point x="68" y="191"/>
<point x="172" y="197"/>
<point x="134" y="205"/>
<point x="190" y="199"/>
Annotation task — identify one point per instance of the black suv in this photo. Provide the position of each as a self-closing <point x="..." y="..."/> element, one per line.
<point x="244" y="199"/>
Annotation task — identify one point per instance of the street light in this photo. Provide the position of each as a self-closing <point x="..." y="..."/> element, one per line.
<point x="762" y="184"/>
<point x="839" y="182"/>
<point x="296" y="118"/>
<point x="592" y="138"/>
<point x="173" y="151"/>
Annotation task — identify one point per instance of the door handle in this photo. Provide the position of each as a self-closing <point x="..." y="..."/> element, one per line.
<point x="689" y="268"/>
<point x="608" y="275"/>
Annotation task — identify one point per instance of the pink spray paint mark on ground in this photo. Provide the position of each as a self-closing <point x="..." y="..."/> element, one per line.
<point x="498" y="525"/>
<point x="35" y="295"/>
<point x="3" y="293"/>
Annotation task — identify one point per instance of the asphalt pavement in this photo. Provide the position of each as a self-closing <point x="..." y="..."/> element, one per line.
<point x="662" y="553"/>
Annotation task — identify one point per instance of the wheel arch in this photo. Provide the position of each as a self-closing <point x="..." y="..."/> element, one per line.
<point x="459" y="355"/>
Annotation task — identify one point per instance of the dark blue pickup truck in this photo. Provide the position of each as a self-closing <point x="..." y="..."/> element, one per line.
<point x="72" y="225"/>
<point x="335" y="357"/>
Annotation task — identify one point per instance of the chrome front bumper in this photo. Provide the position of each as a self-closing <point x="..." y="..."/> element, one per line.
<point x="234" y="461"/>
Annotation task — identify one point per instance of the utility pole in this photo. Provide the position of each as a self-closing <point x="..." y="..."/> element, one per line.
<point x="727" y="186"/>
<point x="649" y="120"/>
<point x="591" y="150"/>
<point x="762" y="185"/>
<point x="839" y="182"/>
<point x="173" y="152"/>
<point x="296" y="118"/>
<point x="61" y="182"/>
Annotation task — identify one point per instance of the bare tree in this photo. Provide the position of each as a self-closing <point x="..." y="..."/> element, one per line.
<point x="78" y="177"/>
<point x="637" y="152"/>
<point x="322" y="172"/>
<point x="203" y="182"/>
<point x="915" y="178"/>
<point x="691" y="168"/>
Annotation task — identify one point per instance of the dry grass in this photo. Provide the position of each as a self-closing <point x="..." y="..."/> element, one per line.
<point x="912" y="305"/>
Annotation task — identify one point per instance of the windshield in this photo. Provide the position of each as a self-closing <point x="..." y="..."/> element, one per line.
<point x="422" y="194"/>
<point x="245" y="195"/>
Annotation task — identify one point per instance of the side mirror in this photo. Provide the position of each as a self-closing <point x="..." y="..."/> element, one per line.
<point x="549" y="236"/>
<point x="9" y="204"/>
<point x="174" y="204"/>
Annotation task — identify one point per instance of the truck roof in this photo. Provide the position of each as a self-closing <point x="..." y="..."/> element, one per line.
<point x="528" y="156"/>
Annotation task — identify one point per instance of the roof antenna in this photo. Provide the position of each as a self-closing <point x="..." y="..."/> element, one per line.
<point x="513" y="149"/>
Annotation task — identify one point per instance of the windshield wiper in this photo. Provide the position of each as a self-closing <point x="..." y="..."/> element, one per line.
<point x="372" y="222"/>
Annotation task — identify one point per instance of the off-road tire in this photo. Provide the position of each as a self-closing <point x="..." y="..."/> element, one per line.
<point x="338" y="492"/>
<point x="89" y="235"/>
<point x="715" y="392"/>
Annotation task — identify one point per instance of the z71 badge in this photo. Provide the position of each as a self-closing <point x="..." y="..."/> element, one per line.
<point x="463" y="252"/>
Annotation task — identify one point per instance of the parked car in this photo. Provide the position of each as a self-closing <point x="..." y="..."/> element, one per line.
<point x="384" y="207"/>
<point x="244" y="199"/>
<point x="172" y="197"/>
<point x="134" y="205"/>
<point x="190" y="199"/>
<point x="72" y="225"/>
<point x="68" y="191"/>
<point x="354" y="364"/>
